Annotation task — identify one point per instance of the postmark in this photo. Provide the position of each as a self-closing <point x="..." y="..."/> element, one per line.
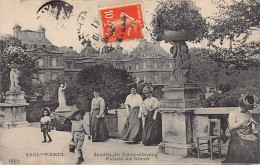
<point x="122" y="23"/>
<point x="58" y="10"/>
<point x="89" y="29"/>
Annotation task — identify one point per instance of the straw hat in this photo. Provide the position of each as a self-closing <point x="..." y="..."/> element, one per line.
<point x="247" y="101"/>
<point x="148" y="89"/>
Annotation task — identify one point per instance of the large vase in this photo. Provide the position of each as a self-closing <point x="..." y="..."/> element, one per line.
<point x="181" y="35"/>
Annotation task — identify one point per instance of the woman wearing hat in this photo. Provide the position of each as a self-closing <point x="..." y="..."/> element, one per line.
<point x="132" y="130"/>
<point x="243" y="143"/>
<point x="152" y="132"/>
<point x="99" y="130"/>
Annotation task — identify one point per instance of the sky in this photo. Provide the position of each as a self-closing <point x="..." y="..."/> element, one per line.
<point x="64" y="33"/>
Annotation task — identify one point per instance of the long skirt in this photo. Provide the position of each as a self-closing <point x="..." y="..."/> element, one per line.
<point x="152" y="133"/>
<point x="99" y="130"/>
<point x="132" y="130"/>
<point x="241" y="151"/>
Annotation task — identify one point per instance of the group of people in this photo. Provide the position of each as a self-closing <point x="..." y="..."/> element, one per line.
<point x="150" y="133"/>
<point x="134" y="131"/>
<point x="242" y="147"/>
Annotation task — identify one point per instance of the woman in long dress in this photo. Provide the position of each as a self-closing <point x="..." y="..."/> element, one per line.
<point x="99" y="130"/>
<point x="132" y="130"/>
<point x="243" y="143"/>
<point x="61" y="96"/>
<point x="152" y="132"/>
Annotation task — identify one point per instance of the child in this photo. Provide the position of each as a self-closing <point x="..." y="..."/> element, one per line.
<point x="45" y="124"/>
<point x="79" y="130"/>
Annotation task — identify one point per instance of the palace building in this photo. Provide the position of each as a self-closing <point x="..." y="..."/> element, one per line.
<point x="148" y="61"/>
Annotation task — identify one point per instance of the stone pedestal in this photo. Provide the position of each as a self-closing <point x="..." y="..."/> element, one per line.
<point x="181" y="96"/>
<point x="63" y="111"/>
<point x="13" y="115"/>
<point x="13" y="111"/>
<point x="176" y="132"/>
<point x="61" y="115"/>
<point x="15" y="97"/>
<point x="177" y="110"/>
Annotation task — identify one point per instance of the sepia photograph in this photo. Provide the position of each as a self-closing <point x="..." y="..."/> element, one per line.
<point x="130" y="82"/>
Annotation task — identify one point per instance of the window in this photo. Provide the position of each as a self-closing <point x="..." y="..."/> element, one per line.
<point x="137" y="79"/>
<point x="34" y="46"/>
<point x="41" y="77"/>
<point x="155" y="65"/>
<point x="144" y="65"/>
<point x="163" y="65"/>
<point x="54" y="76"/>
<point x="44" y="46"/>
<point x="155" y="79"/>
<point x="69" y="65"/>
<point x="40" y="62"/>
<point x="171" y="77"/>
<point x="144" y="78"/>
<point x="52" y="47"/>
<point x="137" y="66"/>
<point x="164" y="78"/>
<point x="170" y="64"/>
<point x="54" y="62"/>
<point x="130" y="68"/>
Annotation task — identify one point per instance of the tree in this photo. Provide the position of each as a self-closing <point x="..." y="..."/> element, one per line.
<point x="112" y="81"/>
<point x="12" y="52"/>
<point x="233" y="24"/>
<point x="178" y="16"/>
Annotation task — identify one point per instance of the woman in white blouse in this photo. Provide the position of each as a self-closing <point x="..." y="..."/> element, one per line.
<point x="132" y="130"/>
<point x="152" y="132"/>
<point x="243" y="143"/>
<point x="99" y="130"/>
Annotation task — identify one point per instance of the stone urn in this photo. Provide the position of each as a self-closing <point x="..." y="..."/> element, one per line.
<point x="181" y="35"/>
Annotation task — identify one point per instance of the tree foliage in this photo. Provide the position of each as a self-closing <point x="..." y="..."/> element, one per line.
<point x="12" y="52"/>
<point x="112" y="81"/>
<point x="234" y="24"/>
<point x="177" y="16"/>
<point x="209" y="73"/>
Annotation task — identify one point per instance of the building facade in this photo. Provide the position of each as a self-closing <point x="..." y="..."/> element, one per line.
<point x="49" y="58"/>
<point x="148" y="61"/>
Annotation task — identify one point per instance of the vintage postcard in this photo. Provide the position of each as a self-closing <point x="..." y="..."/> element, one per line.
<point x="129" y="82"/>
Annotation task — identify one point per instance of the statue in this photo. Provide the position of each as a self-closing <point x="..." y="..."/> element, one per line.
<point x="14" y="79"/>
<point x="181" y="61"/>
<point x="61" y="96"/>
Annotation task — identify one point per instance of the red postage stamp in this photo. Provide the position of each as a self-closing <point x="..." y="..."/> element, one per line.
<point x="122" y="23"/>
